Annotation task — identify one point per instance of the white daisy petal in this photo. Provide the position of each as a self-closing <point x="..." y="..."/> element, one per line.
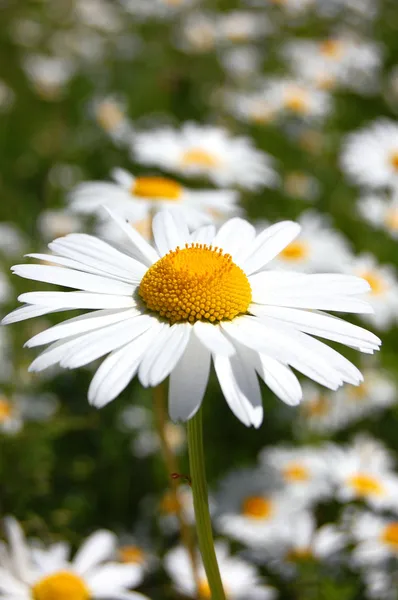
<point x="204" y="235"/>
<point x="73" y="279"/>
<point x="70" y="300"/>
<point x="268" y="244"/>
<point x="144" y="251"/>
<point x="164" y="354"/>
<point x="28" y="312"/>
<point x="234" y="237"/>
<point x="19" y="551"/>
<point x="54" y="353"/>
<point x="11" y="586"/>
<point x="212" y="337"/>
<point x="107" y="578"/>
<point x="281" y="380"/>
<point x="168" y="233"/>
<point x="98" y="547"/>
<point x="187" y="386"/>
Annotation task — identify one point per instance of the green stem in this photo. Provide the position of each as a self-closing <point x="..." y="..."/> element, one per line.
<point x="201" y="505"/>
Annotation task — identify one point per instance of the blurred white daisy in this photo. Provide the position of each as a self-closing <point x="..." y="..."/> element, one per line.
<point x="320" y="411"/>
<point x="48" y="574"/>
<point x="157" y="9"/>
<point x="240" y="26"/>
<point x="49" y="75"/>
<point x="17" y="409"/>
<point x="381" y="212"/>
<point x="317" y="249"/>
<point x="383" y="289"/>
<point x="197" y="33"/>
<point x="295" y="97"/>
<point x="6" y="359"/>
<point x="110" y="114"/>
<point x="290" y="7"/>
<point x="304" y="470"/>
<point x="57" y="223"/>
<point x="370" y="155"/>
<point x="376" y="538"/>
<point x="5" y="288"/>
<point x="304" y="186"/>
<point x="240" y="62"/>
<point x="12" y="240"/>
<point x="169" y="309"/>
<point x="206" y="151"/>
<point x="240" y="579"/>
<point x="138" y="198"/>
<point x="169" y="505"/>
<point x="252" y="507"/>
<point x="363" y="471"/>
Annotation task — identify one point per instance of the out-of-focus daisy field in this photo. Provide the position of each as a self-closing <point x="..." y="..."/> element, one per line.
<point x="258" y="110"/>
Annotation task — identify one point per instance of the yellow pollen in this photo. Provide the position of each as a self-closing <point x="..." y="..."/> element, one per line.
<point x="297" y="101"/>
<point x="5" y="409"/>
<point x="109" y="116"/>
<point x="366" y="485"/>
<point x="198" y="283"/>
<point x="61" y="586"/>
<point x="295" y="251"/>
<point x="296" y="472"/>
<point x="377" y="284"/>
<point x="390" y="535"/>
<point x="131" y="555"/>
<point x="394" y="160"/>
<point x="332" y="48"/>
<point x="257" y="507"/>
<point x="156" y="188"/>
<point x="196" y="157"/>
<point x="391" y="219"/>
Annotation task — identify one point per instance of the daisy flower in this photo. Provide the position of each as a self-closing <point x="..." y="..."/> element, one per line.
<point x="252" y="507"/>
<point x="16" y="410"/>
<point x="110" y="114"/>
<point x="167" y="310"/>
<point x="304" y="186"/>
<point x="48" y="574"/>
<point x="303" y="470"/>
<point x="206" y="151"/>
<point x="319" y="410"/>
<point x="49" y="75"/>
<point x="295" y="97"/>
<point x="240" y="579"/>
<point x="137" y="198"/>
<point x="240" y="62"/>
<point x="370" y="156"/>
<point x="381" y="212"/>
<point x="318" y="248"/>
<point x="363" y="471"/>
<point x="157" y="9"/>
<point x="197" y="33"/>
<point x="383" y="289"/>
<point x="242" y="26"/>
<point x="376" y="538"/>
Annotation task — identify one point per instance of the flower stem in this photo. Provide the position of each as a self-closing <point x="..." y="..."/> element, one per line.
<point x="171" y="463"/>
<point x="201" y="505"/>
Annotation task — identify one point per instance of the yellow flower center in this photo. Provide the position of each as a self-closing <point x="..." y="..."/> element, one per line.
<point x="61" y="586"/>
<point x="298" y="554"/>
<point x="366" y="485"/>
<point x="295" y="251"/>
<point x="318" y="407"/>
<point x="377" y="283"/>
<point x="155" y="188"/>
<point x="204" y="589"/>
<point x="296" y="472"/>
<point x="257" y="507"/>
<point x="169" y="504"/>
<point x="332" y="48"/>
<point x="197" y="283"/>
<point x="390" y="535"/>
<point x="131" y="555"/>
<point x="297" y="101"/>
<point x="109" y="116"/>
<point x="197" y="157"/>
<point x="5" y="409"/>
<point x="391" y="219"/>
<point x="394" y="160"/>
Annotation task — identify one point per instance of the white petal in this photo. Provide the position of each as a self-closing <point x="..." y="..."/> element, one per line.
<point x="212" y="337"/>
<point x="54" y="354"/>
<point x="69" y="300"/>
<point x="169" y="233"/>
<point x="13" y="588"/>
<point x="73" y="279"/>
<point x="204" y="235"/>
<point x="19" y="549"/>
<point x="114" y="577"/>
<point x="234" y="237"/>
<point x="28" y="312"/>
<point x="188" y="381"/>
<point x="97" y="548"/>
<point x="118" y="369"/>
<point x="142" y="249"/>
<point x="268" y="244"/>
<point x="81" y="324"/>
<point x="281" y="380"/>
<point x="321" y="325"/>
<point x="239" y="384"/>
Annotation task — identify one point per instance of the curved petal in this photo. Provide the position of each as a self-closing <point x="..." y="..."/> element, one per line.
<point x="141" y="249"/>
<point x="234" y="237"/>
<point x="114" y="577"/>
<point x="98" y="547"/>
<point x="268" y="244"/>
<point x="168" y="232"/>
<point x="281" y="380"/>
<point x="213" y="338"/>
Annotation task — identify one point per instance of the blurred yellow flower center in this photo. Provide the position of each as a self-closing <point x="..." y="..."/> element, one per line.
<point x="109" y="116"/>
<point x="366" y="485"/>
<point x="295" y="251"/>
<point x="391" y="219"/>
<point x="204" y="589"/>
<point x="257" y="507"/>
<point x="196" y="157"/>
<point x="197" y="283"/>
<point x="390" y="535"/>
<point x="394" y="160"/>
<point x="332" y="48"/>
<point x="297" y="554"/>
<point x="296" y="472"/>
<point x="358" y="392"/>
<point x="155" y="188"/>
<point x="5" y="409"/>
<point x="377" y="283"/>
<point x="297" y="101"/>
<point x="169" y="504"/>
<point x="131" y="554"/>
<point x="318" y="407"/>
<point x="61" y="586"/>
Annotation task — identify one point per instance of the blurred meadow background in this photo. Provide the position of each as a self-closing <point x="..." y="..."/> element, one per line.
<point x="80" y="82"/>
